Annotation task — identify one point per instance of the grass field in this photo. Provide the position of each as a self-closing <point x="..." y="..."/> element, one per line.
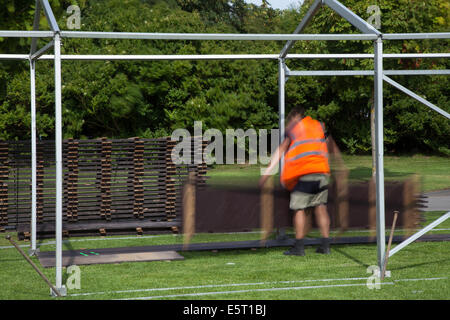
<point x="420" y="271"/>
<point x="241" y="274"/>
<point x="434" y="172"/>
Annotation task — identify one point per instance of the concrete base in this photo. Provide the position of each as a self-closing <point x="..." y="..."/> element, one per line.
<point x="32" y="252"/>
<point x="62" y="291"/>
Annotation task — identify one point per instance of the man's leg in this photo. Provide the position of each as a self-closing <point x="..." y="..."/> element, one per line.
<point x="323" y="220"/>
<point x="299" y="224"/>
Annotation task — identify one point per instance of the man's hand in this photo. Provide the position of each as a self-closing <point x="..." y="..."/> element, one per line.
<point x="274" y="161"/>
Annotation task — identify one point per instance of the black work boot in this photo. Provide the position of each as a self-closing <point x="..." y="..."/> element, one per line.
<point x="298" y="249"/>
<point x="324" y="247"/>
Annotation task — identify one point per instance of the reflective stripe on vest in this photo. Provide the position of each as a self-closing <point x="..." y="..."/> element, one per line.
<point x="309" y="153"/>
<point x="306" y="141"/>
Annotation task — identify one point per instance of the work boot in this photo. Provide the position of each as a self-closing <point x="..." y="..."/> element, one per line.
<point x="298" y="249"/>
<point x="324" y="247"/>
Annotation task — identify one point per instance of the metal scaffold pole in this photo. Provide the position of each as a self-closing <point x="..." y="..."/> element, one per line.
<point x="33" y="155"/>
<point x="379" y="175"/>
<point x="59" y="169"/>
<point x="281" y="96"/>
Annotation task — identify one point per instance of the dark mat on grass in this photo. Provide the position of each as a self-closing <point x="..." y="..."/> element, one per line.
<point x="168" y="252"/>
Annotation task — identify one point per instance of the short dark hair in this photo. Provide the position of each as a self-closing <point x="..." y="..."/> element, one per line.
<point x="296" y="111"/>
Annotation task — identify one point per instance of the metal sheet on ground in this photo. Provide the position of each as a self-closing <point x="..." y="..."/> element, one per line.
<point x="437" y="200"/>
<point x="87" y="257"/>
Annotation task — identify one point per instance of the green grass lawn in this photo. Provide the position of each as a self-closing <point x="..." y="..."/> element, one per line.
<point x="420" y="271"/>
<point x="242" y="274"/>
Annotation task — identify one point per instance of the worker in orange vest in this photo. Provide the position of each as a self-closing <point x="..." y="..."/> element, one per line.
<point x="305" y="173"/>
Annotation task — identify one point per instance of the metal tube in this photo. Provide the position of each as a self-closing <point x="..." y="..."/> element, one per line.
<point x="33" y="154"/>
<point x="41" y="51"/>
<point x="329" y="56"/>
<point x="351" y="17"/>
<point x="416" y="72"/>
<point x="50" y="16"/>
<point x="419" y="234"/>
<point x="306" y="19"/>
<point x="281" y="232"/>
<point x="37" y="15"/>
<point x="415" y="55"/>
<point x="379" y="174"/>
<point x="281" y="99"/>
<point x="416" y="36"/>
<point x="415" y="96"/>
<point x="332" y="73"/>
<point x="166" y="57"/>
<point x="14" y="57"/>
<point x="238" y="57"/>
<point x="219" y="36"/>
<point x="59" y="169"/>
<point x="26" y="34"/>
<point x="214" y="36"/>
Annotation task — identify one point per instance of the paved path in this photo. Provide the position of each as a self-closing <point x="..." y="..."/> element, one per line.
<point x="438" y="200"/>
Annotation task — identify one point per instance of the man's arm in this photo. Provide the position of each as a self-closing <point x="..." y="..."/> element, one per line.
<point x="335" y="155"/>
<point x="275" y="160"/>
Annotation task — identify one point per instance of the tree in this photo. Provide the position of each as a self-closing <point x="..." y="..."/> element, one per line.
<point x="148" y="99"/>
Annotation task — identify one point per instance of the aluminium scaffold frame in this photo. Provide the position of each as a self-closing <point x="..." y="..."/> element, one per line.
<point x="368" y="32"/>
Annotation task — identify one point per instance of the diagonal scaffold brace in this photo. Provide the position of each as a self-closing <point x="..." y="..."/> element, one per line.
<point x="35" y="267"/>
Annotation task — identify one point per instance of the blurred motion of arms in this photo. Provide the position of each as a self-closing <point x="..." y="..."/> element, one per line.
<point x="274" y="161"/>
<point x="335" y="157"/>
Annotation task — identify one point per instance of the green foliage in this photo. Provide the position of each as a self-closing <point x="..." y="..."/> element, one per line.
<point x="150" y="99"/>
<point x="344" y="103"/>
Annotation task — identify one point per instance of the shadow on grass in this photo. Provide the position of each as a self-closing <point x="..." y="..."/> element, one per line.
<point x="65" y="275"/>
<point x="345" y="254"/>
<point x="418" y="264"/>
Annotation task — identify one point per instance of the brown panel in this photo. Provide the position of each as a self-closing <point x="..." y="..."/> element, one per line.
<point x="224" y="209"/>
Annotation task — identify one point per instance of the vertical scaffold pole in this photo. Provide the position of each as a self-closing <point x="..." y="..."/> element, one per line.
<point x="281" y="96"/>
<point x="33" y="130"/>
<point x="379" y="178"/>
<point x="59" y="169"/>
<point x="33" y="155"/>
<point x="281" y="232"/>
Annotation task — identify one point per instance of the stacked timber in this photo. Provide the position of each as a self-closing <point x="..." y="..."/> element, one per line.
<point x="105" y="180"/>
<point x="110" y="186"/>
<point x="4" y="176"/>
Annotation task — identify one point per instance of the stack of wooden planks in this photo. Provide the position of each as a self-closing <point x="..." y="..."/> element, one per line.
<point x="111" y="186"/>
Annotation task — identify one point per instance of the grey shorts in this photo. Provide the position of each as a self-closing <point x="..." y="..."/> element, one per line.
<point x="310" y="191"/>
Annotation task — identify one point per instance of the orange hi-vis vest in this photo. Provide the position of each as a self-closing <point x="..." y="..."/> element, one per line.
<point x="307" y="152"/>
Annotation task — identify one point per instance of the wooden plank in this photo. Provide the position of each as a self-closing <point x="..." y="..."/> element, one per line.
<point x="189" y="210"/>
<point x="91" y="257"/>
<point x="267" y="209"/>
<point x="372" y="208"/>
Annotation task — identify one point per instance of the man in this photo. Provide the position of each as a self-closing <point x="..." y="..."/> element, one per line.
<point x="305" y="174"/>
